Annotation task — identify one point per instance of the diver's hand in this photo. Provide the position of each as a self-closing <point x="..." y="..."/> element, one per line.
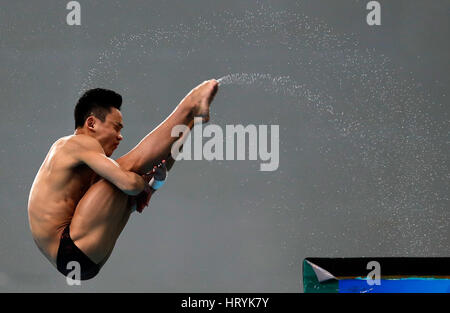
<point x="141" y="200"/>
<point x="153" y="181"/>
<point x="159" y="176"/>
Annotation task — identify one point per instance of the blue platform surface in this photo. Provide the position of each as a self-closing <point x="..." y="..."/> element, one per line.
<point x="404" y="285"/>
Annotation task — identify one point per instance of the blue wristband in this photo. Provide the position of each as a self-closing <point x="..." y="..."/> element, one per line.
<point x="157" y="184"/>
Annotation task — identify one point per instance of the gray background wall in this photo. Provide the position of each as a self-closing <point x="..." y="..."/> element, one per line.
<point x="363" y="115"/>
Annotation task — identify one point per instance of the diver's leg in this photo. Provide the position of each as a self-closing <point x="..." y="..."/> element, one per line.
<point x="99" y="219"/>
<point x="157" y="145"/>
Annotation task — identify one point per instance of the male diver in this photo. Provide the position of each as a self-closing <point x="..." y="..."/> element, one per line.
<point x="81" y="199"/>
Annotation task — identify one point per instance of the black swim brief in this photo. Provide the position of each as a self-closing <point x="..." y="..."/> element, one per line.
<point x="69" y="252"/>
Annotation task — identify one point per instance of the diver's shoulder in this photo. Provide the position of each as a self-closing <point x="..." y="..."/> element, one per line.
<point x="81" y="141"/>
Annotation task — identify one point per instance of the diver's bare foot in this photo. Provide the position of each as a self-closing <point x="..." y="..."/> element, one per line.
<point x="201" y="97"/>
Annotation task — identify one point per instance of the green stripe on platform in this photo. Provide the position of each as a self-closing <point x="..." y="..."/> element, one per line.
<point x="312" y="285"/>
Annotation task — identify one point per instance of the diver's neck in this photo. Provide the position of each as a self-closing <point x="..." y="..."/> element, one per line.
<point x="82" y="131"/>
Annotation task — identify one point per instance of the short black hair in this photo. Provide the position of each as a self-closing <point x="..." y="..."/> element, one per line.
<point x="97" y="102"/>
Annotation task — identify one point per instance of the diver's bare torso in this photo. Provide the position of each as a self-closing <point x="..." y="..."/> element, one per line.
<point x="57" y="188"/>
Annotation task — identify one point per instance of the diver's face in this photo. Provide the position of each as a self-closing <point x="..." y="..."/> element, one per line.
<point x="108" y="132"/>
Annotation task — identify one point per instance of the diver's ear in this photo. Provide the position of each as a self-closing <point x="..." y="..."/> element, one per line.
<point x="90" y="122"/>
